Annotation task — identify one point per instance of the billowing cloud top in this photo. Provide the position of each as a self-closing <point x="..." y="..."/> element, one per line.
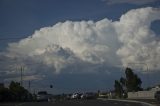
<point x="129" y="40"/>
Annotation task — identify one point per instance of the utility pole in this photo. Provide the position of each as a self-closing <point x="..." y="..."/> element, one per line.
<point x="29" y="86"/>
<point x="22" y="69"/>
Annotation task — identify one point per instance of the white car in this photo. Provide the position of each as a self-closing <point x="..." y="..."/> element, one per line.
<point x="75" y="96"/>
<point x="42" y="96"/>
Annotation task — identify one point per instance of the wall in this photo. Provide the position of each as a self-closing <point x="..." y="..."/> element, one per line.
<point x="143" y="94"/>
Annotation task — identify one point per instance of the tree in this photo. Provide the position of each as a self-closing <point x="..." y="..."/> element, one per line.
<point x="123" y="82"/>
<point x="130" y="83"/>
<point x="118" y="89"/>
<point x="15" y="92"/>
<point x="133" y="82"/>
<point x="19" y="92"/>
<point x="5" y="94"/>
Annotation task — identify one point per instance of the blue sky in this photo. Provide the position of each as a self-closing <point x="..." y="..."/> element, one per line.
<point x="21" y="18"/>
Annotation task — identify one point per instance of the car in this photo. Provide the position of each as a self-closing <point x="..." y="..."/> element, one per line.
<point x="76" y="96"/>
<point x="68" y="96"/>
<point x="89" y="95"/>
<point x="42" y="96"/>
<point x="157" y="96"/>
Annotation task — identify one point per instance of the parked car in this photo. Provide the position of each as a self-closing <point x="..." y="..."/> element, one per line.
<point x="89" y="95"/>
<point x="68" y="96"/>
<point x="42" y="96"/>
<point x="76" y="96"/>
<point x="157" y="95"/>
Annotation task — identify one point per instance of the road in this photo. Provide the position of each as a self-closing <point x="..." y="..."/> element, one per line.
<point x="76" y="103"/>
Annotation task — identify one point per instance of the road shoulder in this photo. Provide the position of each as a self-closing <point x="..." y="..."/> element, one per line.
<point x="133" y="101"/>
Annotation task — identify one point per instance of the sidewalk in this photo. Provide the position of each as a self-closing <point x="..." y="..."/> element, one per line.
<point x="151" y="101"/>
<point x="147" y="102"/>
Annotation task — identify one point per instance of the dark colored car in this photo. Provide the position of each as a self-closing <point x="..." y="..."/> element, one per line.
<point x="157" y="95"/>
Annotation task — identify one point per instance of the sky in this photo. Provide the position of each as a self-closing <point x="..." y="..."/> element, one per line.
<point x="79" y="45"/>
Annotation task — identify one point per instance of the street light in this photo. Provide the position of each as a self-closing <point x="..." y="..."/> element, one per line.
<point x="51" y="86"/>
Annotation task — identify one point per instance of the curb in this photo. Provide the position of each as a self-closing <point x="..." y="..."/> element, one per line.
<point x="133" y="101"/>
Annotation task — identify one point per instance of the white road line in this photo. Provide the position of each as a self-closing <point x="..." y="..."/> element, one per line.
<point x="20" y="104"/>
<point x="115" y="103"/>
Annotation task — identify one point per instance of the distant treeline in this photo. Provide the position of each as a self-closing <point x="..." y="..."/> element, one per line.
<point x="14" y="93"/>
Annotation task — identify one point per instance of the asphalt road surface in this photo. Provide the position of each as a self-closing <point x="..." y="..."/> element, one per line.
<point x="75" y="103"/>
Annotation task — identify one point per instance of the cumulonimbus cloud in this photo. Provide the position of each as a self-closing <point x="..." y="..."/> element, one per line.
<point x="129" y="40"/>
<point x="140" y="43"/>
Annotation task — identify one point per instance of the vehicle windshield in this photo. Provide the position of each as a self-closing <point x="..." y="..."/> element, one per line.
<point x="79" y="52"/>
<point x="42" y="93"/>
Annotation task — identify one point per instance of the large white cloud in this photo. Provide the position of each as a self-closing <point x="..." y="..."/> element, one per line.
<point x="129" y="40"/>
<point x="140" y="44"/>
<point x="69" y="42"/>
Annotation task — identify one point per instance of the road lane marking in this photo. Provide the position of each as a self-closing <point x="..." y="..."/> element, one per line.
<point x="115" y="103"/>
<point x="20" y="104"/>
<point x="5" y="104"/>
<point x="13" y="104"/>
